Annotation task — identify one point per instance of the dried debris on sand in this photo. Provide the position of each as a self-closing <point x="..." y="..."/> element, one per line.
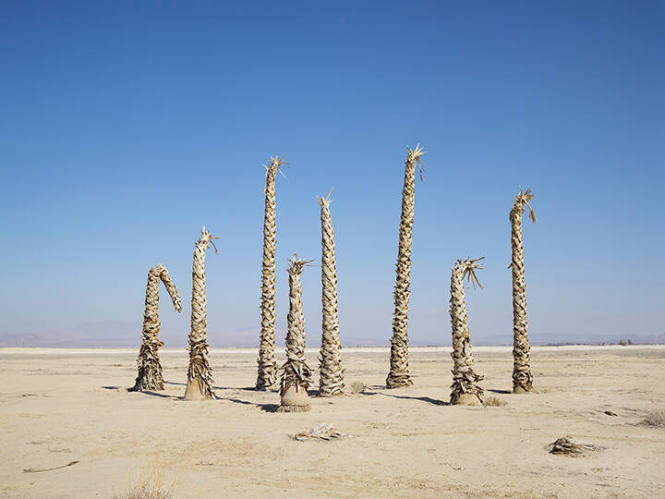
<point x="655" y="418"/>
<point x="324" y="431"/>
<point x="569" y="446"/>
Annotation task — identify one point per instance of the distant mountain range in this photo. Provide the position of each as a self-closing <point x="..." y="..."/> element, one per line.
<point x="116" y="334"/>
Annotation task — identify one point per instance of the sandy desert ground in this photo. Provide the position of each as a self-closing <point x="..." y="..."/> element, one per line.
<point x="59" y="406"/>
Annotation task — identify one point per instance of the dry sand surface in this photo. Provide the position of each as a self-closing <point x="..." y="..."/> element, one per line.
<point x="59" y="406"/>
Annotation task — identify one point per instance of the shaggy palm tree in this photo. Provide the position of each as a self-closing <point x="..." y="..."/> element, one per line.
<point x="267" y="360"/>
<point x="464" y="389"/>
<point x="399" y="349"/>
<point x="150" y="369"/>
<point x="296" y="374"/>
<point x="522" y="377"/>
<point x="331" y="381"/>
<point x="199" y="374"/>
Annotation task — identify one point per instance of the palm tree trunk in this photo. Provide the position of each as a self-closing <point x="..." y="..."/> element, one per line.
<point x="199" y="374"/>
<point x="267" y="360"/>
<point x="522" y="377"/>
<point x="149" y="368"/>
<point x="296" y="374"/>
<point x="464" y="390"/>
<point x="399" y="350"/>
<point x="331" y="381"/>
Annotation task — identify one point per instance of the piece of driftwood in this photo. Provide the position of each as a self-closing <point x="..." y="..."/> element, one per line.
<point x="324" y="431"/>
<point x="34" y="470"/>
<point x="465" y="389"/>
<point x="569" y="446"/>
<point x="296" y="374"/>
<point x="267" y="359"/>
<point x="399" y="349"/>
<point x="199" y="374"/>
<point x="149" y="367"/>
<point x="522" y="376"/>
<point x="331" y="380"/>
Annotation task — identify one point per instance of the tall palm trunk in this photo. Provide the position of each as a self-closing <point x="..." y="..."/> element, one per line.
<point x="267" y="360"/>
<point x="296" y="374"/>
<point x="199" y="374"/>
<point x="331" y="381"/>
<point x="150" y="369"/>
<point x="399" y="350"/>
<point x="522" y="377"/>
<point x="464" y="389"/>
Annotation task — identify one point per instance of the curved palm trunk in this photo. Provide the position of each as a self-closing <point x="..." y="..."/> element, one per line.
<point x="464" y="389"/>
<point x="150" y="369"/>
<point x="267" y="360"/>
<point x="399" y="349"/>
<point x="199" y="374"/>
<point x="296" y="375"/>
<point x="331" y="381"/>
<point x="522" y="377"/>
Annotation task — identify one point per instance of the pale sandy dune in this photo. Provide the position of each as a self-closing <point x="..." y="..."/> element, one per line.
<point x="58" y="406"/>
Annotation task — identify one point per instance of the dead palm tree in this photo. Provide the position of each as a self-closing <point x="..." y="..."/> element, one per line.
<point x="150" y="369"/>
<point x="331" y="381"/>
<point x="267" y="360"/>
<point x="399" y="350"/>
<point x="522" y="377"/>
<point x="296" y="374"/>
<point x="199" y="374"/>
<point x="465" y="389"/>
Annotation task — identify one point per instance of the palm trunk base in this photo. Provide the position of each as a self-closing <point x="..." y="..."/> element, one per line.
<point x="468" y="399"/>
<point x="522" y="388"/>
<point x="148" y="381"/>
<point x="267" y="378"/>
<point x="398" y="380"/>
<point x="194" y="392"/>
<point x="149" y="372"/>
<point x="294" y="399"/>
<point x="522" y="378"/>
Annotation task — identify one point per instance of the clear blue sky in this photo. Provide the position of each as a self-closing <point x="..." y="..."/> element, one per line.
<point x="126" y="126"/>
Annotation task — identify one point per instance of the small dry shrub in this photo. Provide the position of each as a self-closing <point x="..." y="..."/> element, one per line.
<point x="655" y="418"/>
<point x="357" y="387"/>
<point x="495" y="402"/>
<point x="150" y="485"/>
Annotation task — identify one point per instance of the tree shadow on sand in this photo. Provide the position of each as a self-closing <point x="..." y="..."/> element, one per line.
<point x="429" y="400"/>
<point x="263" y="407"/>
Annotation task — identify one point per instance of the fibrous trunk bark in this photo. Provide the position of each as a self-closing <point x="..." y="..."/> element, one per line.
<point x="296" y="374"/>
<point x="199" y="374"/>
<point x="522" y="377"/>
<point x="267" y="359"/>
<point x="149" y="368"/>
<point x="465" y="389"/>
<point x="399" y="349"/>
<point x="331" y="381"/>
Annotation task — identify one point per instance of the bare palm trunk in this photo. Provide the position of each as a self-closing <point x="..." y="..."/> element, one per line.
<point x="150" y="369"/>
<point x="399" y="350"/>
<point x="522" y="377"/>
<point x="464" y="390"/>
<point x="199" y="374"/>
<point x="296" y="375"/>
<point x="267" y="360"/>
<point x="331" y="381"/>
